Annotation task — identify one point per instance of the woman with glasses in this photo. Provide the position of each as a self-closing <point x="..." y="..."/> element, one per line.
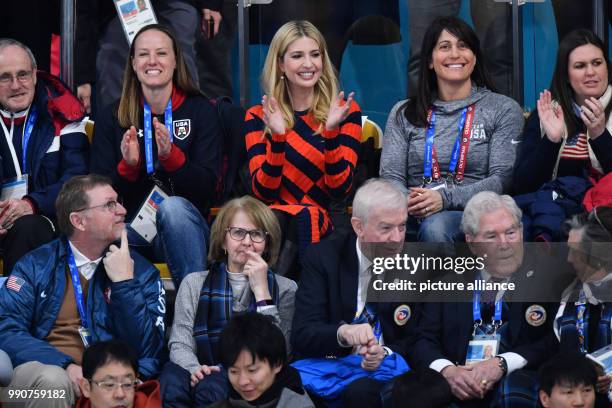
<point x="162" y="136"/>
<point x="303" y="140"/>
<point x="245" y="241"/>
<point x="569" y="134"/>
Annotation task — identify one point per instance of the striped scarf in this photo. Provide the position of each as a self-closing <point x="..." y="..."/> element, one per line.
<point x="215" y="310"/>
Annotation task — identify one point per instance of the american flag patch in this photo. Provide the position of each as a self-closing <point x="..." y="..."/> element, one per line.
<point x="576" y="148"/>
<point x="14" y="283"/>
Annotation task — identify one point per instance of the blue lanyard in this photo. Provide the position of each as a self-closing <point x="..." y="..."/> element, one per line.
<point x="580" y="312"/>
<point x="497" y="317"/>
<point x="78" y="289"/>
<point x="429" y="141"/>
<point x="148" y="126"/>
<point x="26" y="136"/>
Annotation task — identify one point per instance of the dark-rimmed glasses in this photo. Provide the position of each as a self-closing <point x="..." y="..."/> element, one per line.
<point x="239" y="234"/>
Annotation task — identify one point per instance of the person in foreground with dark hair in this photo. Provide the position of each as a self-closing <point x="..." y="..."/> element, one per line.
<point x="423" y="388"/>
<point x="110" y="370"/>
<point x="254" y="352"/>
<point x="455" y="138"/>
<point x="77" y="290"/>
<point x="568" y="380"/>
<point x="569" y="132"/>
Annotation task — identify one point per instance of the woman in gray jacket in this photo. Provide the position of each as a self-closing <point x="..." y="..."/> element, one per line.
<point x="455" y="138"/>
<point x="245" y="240"/>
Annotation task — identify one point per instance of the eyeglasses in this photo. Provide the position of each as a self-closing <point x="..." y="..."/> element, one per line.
<point x="109" y="206"/>
<point x="21" y="76"/>
<point x="110" y="385"/>
<point x="239" y="234"/>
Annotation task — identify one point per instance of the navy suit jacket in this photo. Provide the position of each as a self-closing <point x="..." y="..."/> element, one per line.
<point x="446" y="328"/>
<point x="327" y="298"/>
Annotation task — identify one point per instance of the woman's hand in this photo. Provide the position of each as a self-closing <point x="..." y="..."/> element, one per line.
<point x="551" y="117"/>
<point x="422" y="202"/>
<point x="129" y="147"/>
<point x="272" y="115"/>
<point x="203" y="371"/>
<point x="256" y="269"/>
<point x="593" y="115"/>
<point x="338" y="110"/>
<point x="162" y="137"/>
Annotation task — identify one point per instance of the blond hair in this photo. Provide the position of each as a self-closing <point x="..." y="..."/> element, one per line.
<point x="260" y="215"/>
<point x="326" y="87"/>
<point x="130" y="111"/>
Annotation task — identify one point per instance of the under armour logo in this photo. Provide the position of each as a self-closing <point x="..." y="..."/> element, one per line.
<point x="43" y="294"/>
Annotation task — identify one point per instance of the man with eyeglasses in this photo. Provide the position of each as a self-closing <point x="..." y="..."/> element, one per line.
<point x="43" y="144"/>
<point x="76" y="290"/>
<point x="110" y="380"/>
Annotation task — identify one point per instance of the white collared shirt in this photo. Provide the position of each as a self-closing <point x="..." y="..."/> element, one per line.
<point x="85" y="266"/>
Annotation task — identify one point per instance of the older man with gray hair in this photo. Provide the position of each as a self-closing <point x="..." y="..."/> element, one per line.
<point x="43" y="144"/>
<point x="451" y="334"/>
<point x="332" y="314"/>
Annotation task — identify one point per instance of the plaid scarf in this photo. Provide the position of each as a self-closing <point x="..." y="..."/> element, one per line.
<point x="215" y="310"/>
<point x="573" y="339"/>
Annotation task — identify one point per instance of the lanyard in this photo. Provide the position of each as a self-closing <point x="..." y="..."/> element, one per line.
<point x="458" y="160"/>
<point x="27" y="132"/>
<point x="497" y="316"/>
<point x="149" y="132"/>
<point x="580" y="312"/>
<point x="78" y="289"/>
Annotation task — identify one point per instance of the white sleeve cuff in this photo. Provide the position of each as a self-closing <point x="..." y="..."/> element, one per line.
<point x="440" y="364"/>
<point x="388" y="350"/>
<point x="515" y="361"/>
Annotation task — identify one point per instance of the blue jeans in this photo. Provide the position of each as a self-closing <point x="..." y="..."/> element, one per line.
<point x="443" y="226"/>
<point x="181" y="240"/>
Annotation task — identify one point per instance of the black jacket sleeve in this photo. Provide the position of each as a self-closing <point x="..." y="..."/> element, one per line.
<point x="536" y="158"/>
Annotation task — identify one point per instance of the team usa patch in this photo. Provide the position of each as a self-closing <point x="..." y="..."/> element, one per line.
<point x="535" y="315"/>
<point x="181" y="128"/>
<point x="402" y="315"/>
<point x="14" y="283"/>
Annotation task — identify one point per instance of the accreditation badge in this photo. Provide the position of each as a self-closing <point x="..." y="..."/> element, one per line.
<point x="15" y="188"/>
<point x="436" y="184"/>
<point x="144" y="223"/>
<point x="85" y="336"/>
<point x="482" y="348"/>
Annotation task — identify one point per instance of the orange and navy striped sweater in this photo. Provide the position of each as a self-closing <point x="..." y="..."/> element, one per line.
<point x="302" y="171"/>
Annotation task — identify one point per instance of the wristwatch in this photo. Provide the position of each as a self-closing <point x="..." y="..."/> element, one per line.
<point x="503" y="364"/>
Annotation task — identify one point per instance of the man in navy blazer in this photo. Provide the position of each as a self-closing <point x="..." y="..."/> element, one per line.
<point x="491" y="223"/>
<point x="333" y="287"/>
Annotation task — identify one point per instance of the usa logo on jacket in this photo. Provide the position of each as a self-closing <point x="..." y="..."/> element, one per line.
<point x="181" y="128"/>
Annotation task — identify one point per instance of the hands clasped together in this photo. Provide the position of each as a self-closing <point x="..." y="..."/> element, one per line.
<point x="473" y="381"/>
<point x="361" y="338"/>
